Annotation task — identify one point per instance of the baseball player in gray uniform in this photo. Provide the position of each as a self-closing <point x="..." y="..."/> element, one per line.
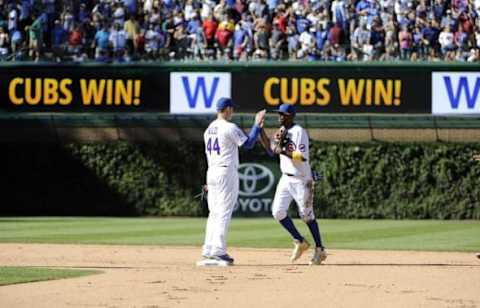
<point x="291" y="142"/>
<point x="222" y="139"/>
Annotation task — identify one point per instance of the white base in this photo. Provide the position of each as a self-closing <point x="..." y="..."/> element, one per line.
<point x="211" y="262"/>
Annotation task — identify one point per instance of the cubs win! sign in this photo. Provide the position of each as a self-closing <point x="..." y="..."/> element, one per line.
<point x="335" y="90"/>
<point x="194" y="89"/>
<point x="72" y="88"/>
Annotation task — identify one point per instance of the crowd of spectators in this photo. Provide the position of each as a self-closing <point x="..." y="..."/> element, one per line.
<point x="312" y="30"/>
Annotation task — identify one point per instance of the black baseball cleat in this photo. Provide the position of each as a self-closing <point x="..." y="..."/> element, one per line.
<point x="225" y="258"/>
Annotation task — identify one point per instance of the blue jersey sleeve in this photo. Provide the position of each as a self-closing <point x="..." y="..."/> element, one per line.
<point x="252" y="137"/>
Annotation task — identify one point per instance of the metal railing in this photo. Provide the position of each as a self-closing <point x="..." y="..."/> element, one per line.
<point x="350" y="121"/>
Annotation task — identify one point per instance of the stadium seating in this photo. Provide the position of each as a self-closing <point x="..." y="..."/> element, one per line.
<point x="239" y="30"/>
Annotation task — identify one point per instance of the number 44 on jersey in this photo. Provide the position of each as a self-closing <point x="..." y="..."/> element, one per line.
<point x="213" y="146"/>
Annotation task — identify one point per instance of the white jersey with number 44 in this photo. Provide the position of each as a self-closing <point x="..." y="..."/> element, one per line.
<point x="222" y="139"/>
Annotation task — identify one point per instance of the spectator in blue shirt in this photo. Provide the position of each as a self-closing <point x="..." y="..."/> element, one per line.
<point x="240" y="42"/>
<point x="419" y="51"/>
<point x="102" y="11"/>
<point x="272" y="4"/>
<point x="293" y="43"/>
<point x="321" y="37"/>
<point x="25" y="13"/>
<point x="439" y="8"/>
<point x="16" y="39"/>
<point x="59" y="39"/>
<point x="430" y="35"/>
<point x="59" y="35"/>
<point x="193" y="25"/>
<point x="449" y="21"/>
<point x="83" y="13"/>
<point x="361" y="7"/>
<point x="377" y="38"/>
<point x="372" y="12"/>
<point x="101" y="41"/>
<point x="131" y="6"/>
<point x="169" y="5"/>
<point x="302" y="24"/>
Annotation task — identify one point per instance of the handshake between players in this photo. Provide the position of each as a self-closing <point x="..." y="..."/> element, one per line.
<point x="222" y="139"/>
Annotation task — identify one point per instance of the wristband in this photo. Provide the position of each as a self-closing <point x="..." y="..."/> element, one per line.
<point x="297" y="156"/>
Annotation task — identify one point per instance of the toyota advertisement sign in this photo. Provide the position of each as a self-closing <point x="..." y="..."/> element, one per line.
<point x="258" y="181"/>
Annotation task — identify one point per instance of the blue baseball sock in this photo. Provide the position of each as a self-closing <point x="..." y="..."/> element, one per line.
<point x="313" y="226"/>
<point x="287" y="223"/>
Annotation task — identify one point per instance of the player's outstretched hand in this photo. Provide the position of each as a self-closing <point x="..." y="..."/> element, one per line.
<point x="260" y="117"/>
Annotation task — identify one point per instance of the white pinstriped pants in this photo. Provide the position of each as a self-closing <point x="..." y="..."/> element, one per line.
<point x="223" y="186"/>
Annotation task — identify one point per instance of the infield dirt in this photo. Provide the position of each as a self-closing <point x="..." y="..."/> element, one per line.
<point x="151" y="276"/>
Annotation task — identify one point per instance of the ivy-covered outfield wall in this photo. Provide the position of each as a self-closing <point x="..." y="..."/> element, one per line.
<point x="398" y="181"/>
<point x="369" y="180"/>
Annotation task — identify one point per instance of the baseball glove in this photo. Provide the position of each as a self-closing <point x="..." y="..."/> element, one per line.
<point x="278" y="140"/>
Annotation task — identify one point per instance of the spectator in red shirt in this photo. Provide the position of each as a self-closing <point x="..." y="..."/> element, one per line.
<point x="75" y="39"/>
<point x="140" y="43"/>
<point x="210" y="28"/>
<point x="224" y="35"/>
<point x="466" y="21"/>
<point x="281" y="20"/>
<point x="335" y="35"/>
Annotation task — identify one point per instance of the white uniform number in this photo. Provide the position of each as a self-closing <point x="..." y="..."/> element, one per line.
<point x="212" y="145"/>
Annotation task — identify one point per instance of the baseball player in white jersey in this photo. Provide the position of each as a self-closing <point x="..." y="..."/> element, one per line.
<point x="222" y="140"/>
<point x="296" y="183"/>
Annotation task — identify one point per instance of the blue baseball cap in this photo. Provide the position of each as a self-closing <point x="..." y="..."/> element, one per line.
<point x="286" y="108"/>
<point x="223" y="103"/>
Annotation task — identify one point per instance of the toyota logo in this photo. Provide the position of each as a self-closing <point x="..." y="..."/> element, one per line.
<point x="255" y="179"/>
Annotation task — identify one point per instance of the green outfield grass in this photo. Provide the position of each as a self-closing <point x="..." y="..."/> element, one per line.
<point x="431" y="235"/>
<point x="13" y="275"/>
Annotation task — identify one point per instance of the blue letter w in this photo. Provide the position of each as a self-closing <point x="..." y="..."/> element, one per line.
<point x="462" y="87"/>
<point x="200" y="85"/>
